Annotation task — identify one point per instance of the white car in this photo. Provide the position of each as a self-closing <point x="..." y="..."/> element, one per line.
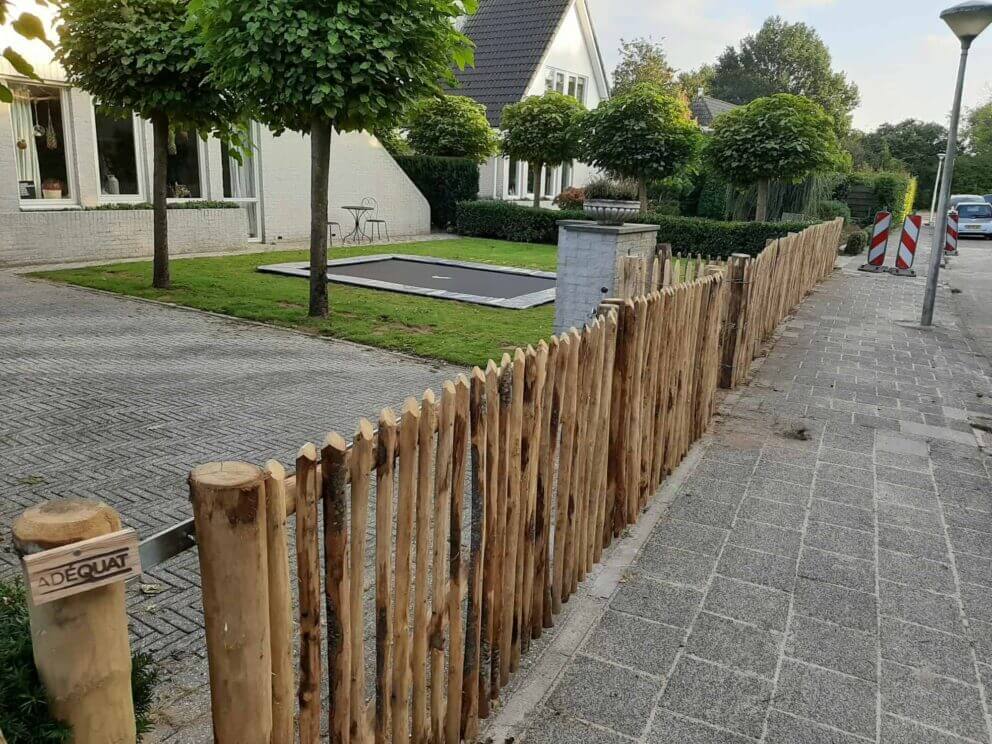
<point x="974" y="218"/>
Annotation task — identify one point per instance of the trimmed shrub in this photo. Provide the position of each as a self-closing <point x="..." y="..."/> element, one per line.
<point x="495" y="219"/>
<point x="444" y="181"/>
<point x="23" y="703"/>
<point x="195" y="204"/>
<point x="571" y="198"/>
<point x="867" y="193"/>
<point x="856" y="243"/>
<point x="828" y="209"/>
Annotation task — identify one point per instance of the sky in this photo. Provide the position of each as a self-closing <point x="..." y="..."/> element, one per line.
<point x="901" y="55"/>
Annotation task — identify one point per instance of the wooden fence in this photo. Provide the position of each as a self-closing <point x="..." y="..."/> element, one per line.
<point x="489" y="507"/>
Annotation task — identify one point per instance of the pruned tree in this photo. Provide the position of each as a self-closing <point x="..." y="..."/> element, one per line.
<point x="781" y="137"/>
<point x="318" y="67"/>
<point x="644" y="134"/>
<point x="451" y="126"/>
<point x="542" y="131"/>
<point x="144" y="56"/>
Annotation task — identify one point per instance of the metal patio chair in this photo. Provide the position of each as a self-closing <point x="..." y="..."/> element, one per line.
<point x="373" y="222"/>
<point x="331" y="224"/>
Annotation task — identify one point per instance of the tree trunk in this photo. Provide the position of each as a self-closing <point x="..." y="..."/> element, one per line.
<point x="536" y="169"/>
<point x="761" y="215"/>
<point x="320" y="163"/>
<point x="160" y="218"/>
<point x="642" y="192"/>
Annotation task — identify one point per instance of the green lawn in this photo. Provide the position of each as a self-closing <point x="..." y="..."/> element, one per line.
<point x="452" y="331"/>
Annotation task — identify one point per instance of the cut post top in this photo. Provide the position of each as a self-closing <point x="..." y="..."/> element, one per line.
<point x="53" y="524"/>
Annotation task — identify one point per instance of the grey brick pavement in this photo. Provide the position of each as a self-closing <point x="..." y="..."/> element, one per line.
<point x="825" y="573"/>
<point x="118" y="399"/>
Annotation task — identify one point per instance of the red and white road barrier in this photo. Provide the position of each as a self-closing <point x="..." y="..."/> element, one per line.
<point x="951" y="246"/>
<point x="907" y="246"/>
<point x="879" y="242"/>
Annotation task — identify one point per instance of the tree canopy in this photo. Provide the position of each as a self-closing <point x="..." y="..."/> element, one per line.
<point x="911" y="145"/>
<point x="451" y="126"/>
<point x="973" y="168"/>
<point x="693" y="81"/>
<point x="781" y="137"/>
<point x="541" y="130"/>
<point x="157" y="64"/>
<point x="318" y="66"/>
<point x="359" y="65"/>
<point x="785" y="58"/>
<point x="642" y="61"/>
<point x="643" y="134"/>
<point x="145" y="56"/>
<point x="28" y="26"/>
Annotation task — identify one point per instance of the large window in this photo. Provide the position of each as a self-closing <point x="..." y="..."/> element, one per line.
<point x="512" y="177"/>
<point x="240" y="185"/>
<point x="40" y="147"/>
<point x="116" y="155"/>
<point x="183" y="166"/>
<point x="566" y="82"/>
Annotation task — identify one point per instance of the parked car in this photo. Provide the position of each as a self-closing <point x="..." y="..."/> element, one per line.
<point x="988" y="198"/>
<point x="953" y="202"/>
<point x="974" y="218"/>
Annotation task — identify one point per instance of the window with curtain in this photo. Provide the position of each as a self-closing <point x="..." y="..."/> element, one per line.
<point x="39" y="143"/>
<point x="239" y="185"/>
<point x="183" y="166"/>
<point x="512" y="176"/>
<point x="116" y="155"/>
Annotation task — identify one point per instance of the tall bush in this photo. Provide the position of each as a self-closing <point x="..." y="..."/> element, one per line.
<point x="444" y="181"/>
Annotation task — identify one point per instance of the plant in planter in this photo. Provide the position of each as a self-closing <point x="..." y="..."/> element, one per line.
<point x="610" y="202"/>
<point x="571" y="198"/>
<point x="51" y="188"/>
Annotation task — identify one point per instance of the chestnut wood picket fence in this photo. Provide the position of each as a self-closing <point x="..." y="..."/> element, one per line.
<point x="543" y="459"/>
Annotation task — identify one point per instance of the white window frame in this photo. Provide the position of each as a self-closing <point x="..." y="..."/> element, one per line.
<point x="255" y="135"/>
<point x="202" y="156"/>
<point x="138" y="129"/>
<point x="554" y="75"/>
<point x="72" y="201"/>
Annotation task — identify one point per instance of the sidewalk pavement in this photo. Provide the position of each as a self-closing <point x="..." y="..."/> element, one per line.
<point x="823" y="574"/>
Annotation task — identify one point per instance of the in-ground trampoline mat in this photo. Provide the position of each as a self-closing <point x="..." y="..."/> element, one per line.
<point x="480" y="284"/>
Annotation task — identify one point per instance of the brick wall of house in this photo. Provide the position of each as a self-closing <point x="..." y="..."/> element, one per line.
<point x="35" y="237"/>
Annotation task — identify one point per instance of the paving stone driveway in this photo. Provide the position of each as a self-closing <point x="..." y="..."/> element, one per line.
<point x="824" y="576"/>
<point x="117" y="399"/>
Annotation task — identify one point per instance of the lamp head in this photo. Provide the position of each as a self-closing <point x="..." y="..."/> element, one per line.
<point x="968" y="19"/>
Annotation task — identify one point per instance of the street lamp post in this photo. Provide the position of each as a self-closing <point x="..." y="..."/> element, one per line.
<point x="936" y="186"/>
<point x="967" y="20"/>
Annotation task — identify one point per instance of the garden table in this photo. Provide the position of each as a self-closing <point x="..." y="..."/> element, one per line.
<point x="356" y="212"/>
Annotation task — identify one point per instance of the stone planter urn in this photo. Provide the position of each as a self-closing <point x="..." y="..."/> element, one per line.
<point x="610" y="211"/>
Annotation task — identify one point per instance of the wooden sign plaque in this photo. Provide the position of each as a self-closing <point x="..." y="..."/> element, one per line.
<point x="73" y="569"/>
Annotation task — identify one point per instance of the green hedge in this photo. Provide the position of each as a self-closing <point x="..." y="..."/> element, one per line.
<point x="895" y="191"/>
<point x="494" y="219"/>
<point x="194" y="204"/>
<point x="444" y="181"/>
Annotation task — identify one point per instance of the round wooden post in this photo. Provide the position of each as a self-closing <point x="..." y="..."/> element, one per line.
<point x="229" y="511"/>
<point x="80" y="642"/>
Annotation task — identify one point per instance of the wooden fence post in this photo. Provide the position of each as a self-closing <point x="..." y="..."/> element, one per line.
<point x="733" y="333"/>
<point x="229" y="511"/>
<point x="80" y="642"/>
<point x="280" y="601"/>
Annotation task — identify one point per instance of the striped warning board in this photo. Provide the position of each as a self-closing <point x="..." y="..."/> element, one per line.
<point x="907" y="246"/>
<point x="879" y="243"/>
<point x="951" y="246"/>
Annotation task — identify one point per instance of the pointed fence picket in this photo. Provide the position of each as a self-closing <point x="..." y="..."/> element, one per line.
<point x="545" y="458"/>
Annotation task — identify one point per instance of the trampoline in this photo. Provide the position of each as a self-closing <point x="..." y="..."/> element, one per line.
<point x="463" y="281"/>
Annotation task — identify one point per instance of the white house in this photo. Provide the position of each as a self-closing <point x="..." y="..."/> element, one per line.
<point x="524" y="48"/>
<point x="60" y="159"/>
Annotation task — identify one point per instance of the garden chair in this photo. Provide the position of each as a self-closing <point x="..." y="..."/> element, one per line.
<point x="331" y="224"/>
<point x="374" y="223"/>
